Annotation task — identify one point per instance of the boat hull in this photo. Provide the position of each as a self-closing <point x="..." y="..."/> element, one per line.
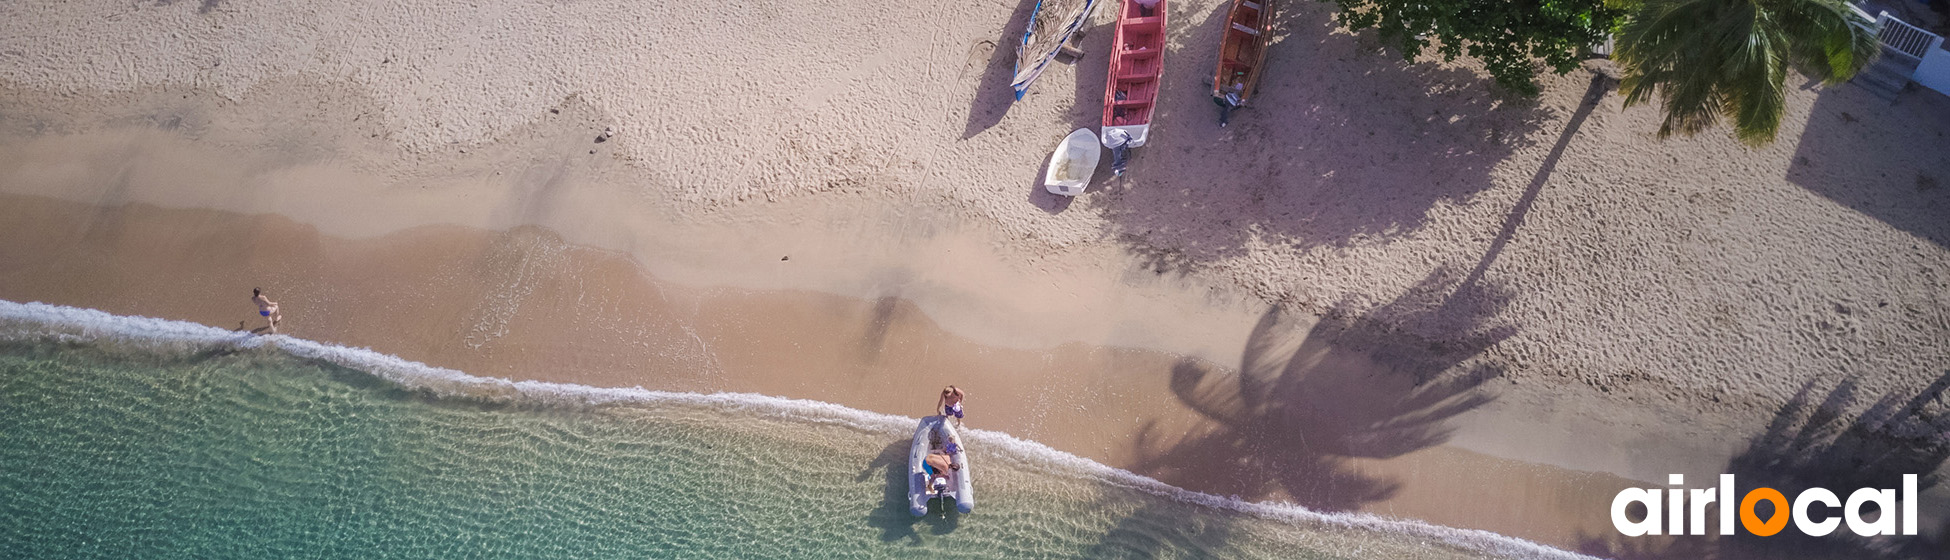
<point x="1073" y="163"/>
<point x="961" y="487"/>
<point x="1136" y="68"/>
<point x="1242" y="55"/>
<point x="1050" y="26"/>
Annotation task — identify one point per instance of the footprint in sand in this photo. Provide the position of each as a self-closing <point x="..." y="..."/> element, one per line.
<point x="978" y="58"/>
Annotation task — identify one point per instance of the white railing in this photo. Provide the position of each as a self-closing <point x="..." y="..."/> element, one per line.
<point x="1901" y="37"/>
<point x="1916" y="45"/>
<point x="1605" y="48"/>
<point x="1865" y="17"/>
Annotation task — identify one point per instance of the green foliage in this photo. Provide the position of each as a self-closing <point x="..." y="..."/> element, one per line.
<point x="1707" y="59"/>
<point x="1507" y="35"/>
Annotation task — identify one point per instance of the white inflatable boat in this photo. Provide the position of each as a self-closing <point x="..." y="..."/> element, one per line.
<point x="935" y="434"/>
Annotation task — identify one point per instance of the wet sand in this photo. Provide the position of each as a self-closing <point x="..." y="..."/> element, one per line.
<point x="1388" y="287"/>
<point x="525" y="304"/>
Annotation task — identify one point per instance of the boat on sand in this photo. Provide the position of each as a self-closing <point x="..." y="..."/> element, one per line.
<point x="1131" y="91"/>
<point x="1074" y="161"/>
<point x="1242" y="55"/>
<point x="1050" y="27"/>
<point x="936" y="435"/>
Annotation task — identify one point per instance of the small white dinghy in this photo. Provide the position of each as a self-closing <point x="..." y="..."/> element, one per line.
<point x="935" y="434"/>
<point x="1074" y="161"/>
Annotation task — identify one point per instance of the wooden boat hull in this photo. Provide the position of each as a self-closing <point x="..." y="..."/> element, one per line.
<point x="1050" y="26"/>
<point x="1136" y="66"/>
<point x="1242" y="55"/>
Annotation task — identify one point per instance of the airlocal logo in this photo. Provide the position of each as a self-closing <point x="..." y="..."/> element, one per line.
<point x="1675" y="518"/>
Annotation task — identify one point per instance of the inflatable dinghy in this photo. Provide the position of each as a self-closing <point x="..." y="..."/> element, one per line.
<point x="936" y="435"/>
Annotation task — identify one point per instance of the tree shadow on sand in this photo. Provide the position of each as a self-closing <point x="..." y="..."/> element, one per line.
<point x="1303" y="403"/>
<point x="1815" y="441"/>
<point x="892" y="518"/>
<point x="1863" y="153"/>
<point x="1342" y="142"/>
<point x="1593" y="93"/>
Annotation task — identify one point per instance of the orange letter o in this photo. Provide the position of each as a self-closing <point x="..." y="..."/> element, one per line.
<point x="1752" y="522"/>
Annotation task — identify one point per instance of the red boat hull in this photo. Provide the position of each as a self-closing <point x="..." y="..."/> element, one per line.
<point x="1136" y="65"/>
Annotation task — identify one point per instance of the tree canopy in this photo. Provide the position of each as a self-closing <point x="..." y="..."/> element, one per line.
<point x="1507" y="35"/>
<point x="1708" y="59"/>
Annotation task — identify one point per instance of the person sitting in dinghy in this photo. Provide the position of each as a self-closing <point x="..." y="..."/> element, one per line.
<point x="938" y="464"/>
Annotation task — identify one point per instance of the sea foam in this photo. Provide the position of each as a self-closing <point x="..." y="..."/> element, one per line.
<point x="28" y="322"/>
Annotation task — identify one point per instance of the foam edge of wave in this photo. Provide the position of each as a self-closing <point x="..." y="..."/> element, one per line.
<point x="72" y="325"/>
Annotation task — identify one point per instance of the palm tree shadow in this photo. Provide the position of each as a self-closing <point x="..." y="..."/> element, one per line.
<point x="1593" y="93"/>
<point x="1818" y="441"/>
<point x="1302" y="404"/>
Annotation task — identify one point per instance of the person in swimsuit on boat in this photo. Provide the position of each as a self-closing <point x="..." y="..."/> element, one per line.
<point x="938" y="465"/>
<point x="939" y="462"/>
<point x="950" y="403"/>
<point x="267" y="308"/>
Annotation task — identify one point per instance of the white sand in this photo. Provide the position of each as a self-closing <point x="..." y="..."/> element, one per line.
<point x="1687" y="274"/>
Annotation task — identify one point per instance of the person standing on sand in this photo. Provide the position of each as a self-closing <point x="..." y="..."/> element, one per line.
<point x="267" y="308"/>
<point x="950" y="403"/>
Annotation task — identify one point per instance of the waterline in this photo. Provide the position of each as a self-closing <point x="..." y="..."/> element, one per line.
<point x="594" y="456"/>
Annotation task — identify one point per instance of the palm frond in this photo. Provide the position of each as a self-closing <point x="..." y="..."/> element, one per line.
<point x="1706" y="60"/>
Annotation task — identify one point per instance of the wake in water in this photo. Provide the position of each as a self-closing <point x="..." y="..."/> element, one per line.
<point x="1096" y="506"/>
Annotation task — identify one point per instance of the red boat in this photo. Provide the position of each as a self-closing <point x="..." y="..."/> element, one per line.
<point x="1136" y="63"/>
<point x="1242" y="55"/>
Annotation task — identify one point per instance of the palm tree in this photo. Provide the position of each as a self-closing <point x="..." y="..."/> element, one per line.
<point x="1707" y="59"/>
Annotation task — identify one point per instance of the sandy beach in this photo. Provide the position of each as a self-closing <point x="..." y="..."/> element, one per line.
<point x="1386" y="287"/>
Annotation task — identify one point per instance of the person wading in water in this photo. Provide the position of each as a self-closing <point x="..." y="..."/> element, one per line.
<point x="267" y="308"/>
<point x="950" y="403"/>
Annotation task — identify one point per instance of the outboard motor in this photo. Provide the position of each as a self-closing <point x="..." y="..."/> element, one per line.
<point x="1226" y="105"/>
<point x="1116" y="140"/>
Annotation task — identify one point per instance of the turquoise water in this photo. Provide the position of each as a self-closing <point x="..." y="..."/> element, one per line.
<point x="140" y="438"/>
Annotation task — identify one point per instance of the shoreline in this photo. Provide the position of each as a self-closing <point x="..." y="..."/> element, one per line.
<point x="1355" y="266"/>
<point x="1694" y="269"/>
<point x="870" y="355"/>
<point x="77" y="326"/>
<point x="863" y="354"/>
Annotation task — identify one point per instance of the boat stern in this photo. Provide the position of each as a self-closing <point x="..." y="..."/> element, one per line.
<point x="917" y="501"/>
<point x="1133" y="136"/>
<point x="1063" y="189"/>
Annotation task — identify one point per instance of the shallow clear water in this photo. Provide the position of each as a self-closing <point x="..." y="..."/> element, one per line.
<point x="140" y="440"/>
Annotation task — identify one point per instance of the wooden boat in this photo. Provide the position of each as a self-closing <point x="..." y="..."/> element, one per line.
<point x="1136" y="63"/>
<point x="936" y="434"/>
<point x="1242" y="55"/>
<point x="1074" y="161"/>
<point x="1050" y="27"/>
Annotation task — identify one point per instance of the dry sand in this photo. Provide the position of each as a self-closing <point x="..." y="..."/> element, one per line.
<point x="1635" y="306"/>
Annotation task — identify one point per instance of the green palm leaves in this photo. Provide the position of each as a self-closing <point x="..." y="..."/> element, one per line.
<point x="1708" y="59"/>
